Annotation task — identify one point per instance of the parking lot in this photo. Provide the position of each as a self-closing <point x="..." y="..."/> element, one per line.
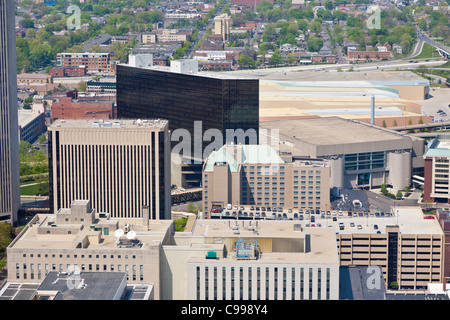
<point x="308" y="216"/>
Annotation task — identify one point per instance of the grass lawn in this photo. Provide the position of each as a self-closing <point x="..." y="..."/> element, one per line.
<point x="428" y="51"/>
<point x="32" y="190"/>
<point x="445" y="65"/>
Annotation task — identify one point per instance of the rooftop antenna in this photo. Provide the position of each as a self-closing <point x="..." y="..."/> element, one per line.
<point x="131" y="235"/>
<point x="119" y="233"/>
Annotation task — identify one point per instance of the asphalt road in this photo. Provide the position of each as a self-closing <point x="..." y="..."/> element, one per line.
<point x="384" y="203"/>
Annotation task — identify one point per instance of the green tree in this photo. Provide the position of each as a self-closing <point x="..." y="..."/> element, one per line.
<point x="276" y="58"/>
<point x="6" y="236"/>
<point x="245" y="61"/>
<point x="192" y="208"/>
<point x="314" y="43"/>
<point x="42" y="139"/>
<point x="291" y="58"/>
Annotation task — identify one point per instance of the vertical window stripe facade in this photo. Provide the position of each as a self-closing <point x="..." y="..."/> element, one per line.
<point x="120" y="170"/>
<point x="9" y="140"/>
<point x="263" y="282"/>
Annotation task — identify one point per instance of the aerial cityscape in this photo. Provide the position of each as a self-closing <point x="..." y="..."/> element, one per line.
<point x="225" y="150"/>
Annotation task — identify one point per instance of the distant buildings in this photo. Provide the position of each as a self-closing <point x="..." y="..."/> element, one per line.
<point x="9" y="140"/>
<point x="84" y="107"/>
<point x="166" y="36"/>
<point x="222" y="25"/>
<point x="95" y="63"/>
<point x="76" y="71"/>
<point x="249" y="3"/>
<point x="35" y="82"/>
<point x="120" y="166"/>
<point x="31" y="125"/>
<point x="353" y="55"/>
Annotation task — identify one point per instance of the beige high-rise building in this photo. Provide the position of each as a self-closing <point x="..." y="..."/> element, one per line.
<point x="257" y="175"/>
<point x="222" y="25"/>
<point x="120" y="166"/>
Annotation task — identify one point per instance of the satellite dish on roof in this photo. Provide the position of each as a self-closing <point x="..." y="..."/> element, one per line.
<point x="118" y="233"/>
<point x="131" y="235"/>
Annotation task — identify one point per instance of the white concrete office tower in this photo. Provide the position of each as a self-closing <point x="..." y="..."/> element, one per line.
<point x="120" y="166"/>
<point x="9" y="141"/>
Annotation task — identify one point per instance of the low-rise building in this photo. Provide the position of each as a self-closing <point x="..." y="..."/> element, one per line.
<point x="95" y="62"/>
<point x="210" y="259"/>
<point x="31" y="125"/>
<point x="166" y="36"/>
<point x="257" y="175"/>
<point x="69" y="108"/>
<point x="76" y="71"/>
<point x="360" y="155"/>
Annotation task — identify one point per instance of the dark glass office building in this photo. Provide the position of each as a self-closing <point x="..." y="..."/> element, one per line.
<point x="218" y="101"/>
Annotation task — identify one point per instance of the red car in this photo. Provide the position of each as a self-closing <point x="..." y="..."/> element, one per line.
<point x="217" y="210"/>
<point x="428" y="217"/>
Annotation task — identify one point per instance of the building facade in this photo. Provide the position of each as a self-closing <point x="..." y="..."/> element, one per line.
<point x="436" y="177"/>
<point x="76" y="71"/>
<point x="222" y="26"/>
<point x="407" y="247"/>
<point x="94" y="108"/>
<point x="360" y="155"/>
<point x="81" y="238"/>
<point x="192" y="102"/>
<point x="9" y="139"/>
<point x="257" y="175"/>
<point x="94" y="62"/>
<point x="165" y="35"/>
<point x="120" y="166"/>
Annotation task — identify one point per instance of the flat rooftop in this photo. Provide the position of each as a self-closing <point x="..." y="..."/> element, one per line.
<point x="214" y="75"/>
<point x="332" y="131"/>
<point x="320" y="247"/>
<point x="312" y="75"/>
<point x="439" y="146"/>
<point x="409" y="219"/>
<point x="110" y="124"/>
<point x="26" y="116"/>
<point x="32" y="239"/>
<point x="99" y="285"/>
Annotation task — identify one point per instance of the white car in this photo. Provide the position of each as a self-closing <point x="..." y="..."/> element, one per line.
<point x="359" y="227"/>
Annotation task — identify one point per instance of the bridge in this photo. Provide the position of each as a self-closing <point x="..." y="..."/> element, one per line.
<point x="187" y="195"/>
<point x="443" y="50"/>
<point x="443" y="125"/>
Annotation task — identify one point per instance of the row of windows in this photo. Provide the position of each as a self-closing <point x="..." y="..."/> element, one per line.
<point x="240" y="279"/>
<point x="38" y="273"/>
<point x="82" y="256"/>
